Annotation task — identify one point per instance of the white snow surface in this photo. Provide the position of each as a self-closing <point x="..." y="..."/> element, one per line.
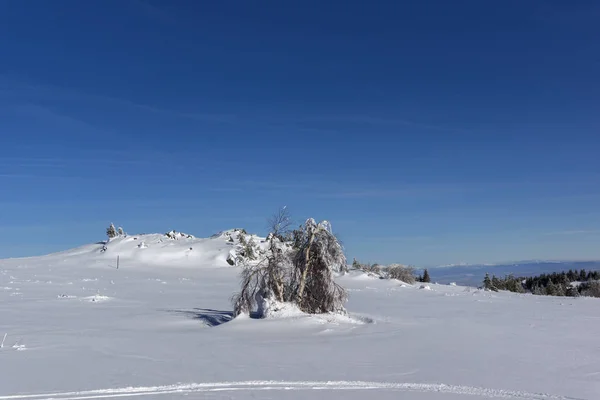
<point x="160" y="326"/>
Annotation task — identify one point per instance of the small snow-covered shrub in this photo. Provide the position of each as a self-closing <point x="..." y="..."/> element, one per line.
<point x="174" y="235"/>
<point x="371" y="269"/>
<point x="401" y="272"/>
<point x="375" y="269"/>
<point x="111" y="232"/>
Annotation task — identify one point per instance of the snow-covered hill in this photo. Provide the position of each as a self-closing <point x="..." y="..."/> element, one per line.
<point x="172" y="249"/>
<point x="161" y="326"/>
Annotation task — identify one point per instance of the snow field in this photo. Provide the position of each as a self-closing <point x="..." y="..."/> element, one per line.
<point x="76" y="327"/>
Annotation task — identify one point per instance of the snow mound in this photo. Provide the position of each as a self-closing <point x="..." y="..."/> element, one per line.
<point x="425" y="287"/>
<point x="97" y="298"/>
<point x="358" y="274"/>
<point x="274" y="309"/>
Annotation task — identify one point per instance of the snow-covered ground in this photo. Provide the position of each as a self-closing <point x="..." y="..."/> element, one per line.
<point x="160" y="326"/>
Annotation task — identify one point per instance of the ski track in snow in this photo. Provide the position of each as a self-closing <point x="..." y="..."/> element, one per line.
<point x="285" y="385"/>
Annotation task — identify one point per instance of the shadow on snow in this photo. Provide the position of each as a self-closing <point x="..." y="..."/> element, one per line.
<point x="209" y="316"/>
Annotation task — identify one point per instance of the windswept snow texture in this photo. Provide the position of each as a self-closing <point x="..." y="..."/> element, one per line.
<point x="161" y="326"/>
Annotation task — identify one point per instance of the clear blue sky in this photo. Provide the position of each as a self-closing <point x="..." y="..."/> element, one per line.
<point x="427" y="132"/>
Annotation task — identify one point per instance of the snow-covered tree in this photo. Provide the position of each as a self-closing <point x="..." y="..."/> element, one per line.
<point x="551" y="289"/>
<point x="572" y="292"/>
<point x="249" y="249"/>
<point x="120" y="232"/>
<point x="591" y="289"/>
<point x="300" y="271"/>
<point x="111" y="232"/>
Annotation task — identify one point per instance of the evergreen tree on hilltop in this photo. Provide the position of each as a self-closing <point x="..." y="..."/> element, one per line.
<point x="111" y="232"/>
<point x="487" y="282"/>
<point x="426" y="278"/>
<point x="513" y="284"/>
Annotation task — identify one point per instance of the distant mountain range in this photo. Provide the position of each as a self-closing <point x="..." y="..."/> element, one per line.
<point x="472" y="275"/>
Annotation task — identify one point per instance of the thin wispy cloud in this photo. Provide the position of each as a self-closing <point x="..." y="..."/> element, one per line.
<point x="378" y="121"/>
<point x="42" y="177"/>
<point x="368" y="193"/>
<point x="399" y="239"/>
<point x="18" y="176"/>
<point x="33" y="162"/>
<point x="52" y="116"/>
<point x="333" y="190"/>
<point x="15" y="88"/>
<point x="225" y="189"/>
<point x="257" y="185"/>
<point x="400" y="190"/>
<point x="573" y="232"/>
<point x="275" y="185"/>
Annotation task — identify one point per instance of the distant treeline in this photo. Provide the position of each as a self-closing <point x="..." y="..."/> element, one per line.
<point x="571" y="283"/>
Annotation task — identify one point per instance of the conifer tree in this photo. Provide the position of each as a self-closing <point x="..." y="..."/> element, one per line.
<point x="426" y="277"/>
<point x="487" y="282"/>
<point x="496" y="283"/>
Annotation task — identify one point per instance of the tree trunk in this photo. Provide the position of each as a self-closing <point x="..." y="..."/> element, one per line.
<point x="278" y="287"/>
<point x="275" y="275"/>
<point x="305" y="272"/>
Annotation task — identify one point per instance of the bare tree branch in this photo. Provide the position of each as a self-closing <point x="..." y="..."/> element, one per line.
<point x="280" y="222"/>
